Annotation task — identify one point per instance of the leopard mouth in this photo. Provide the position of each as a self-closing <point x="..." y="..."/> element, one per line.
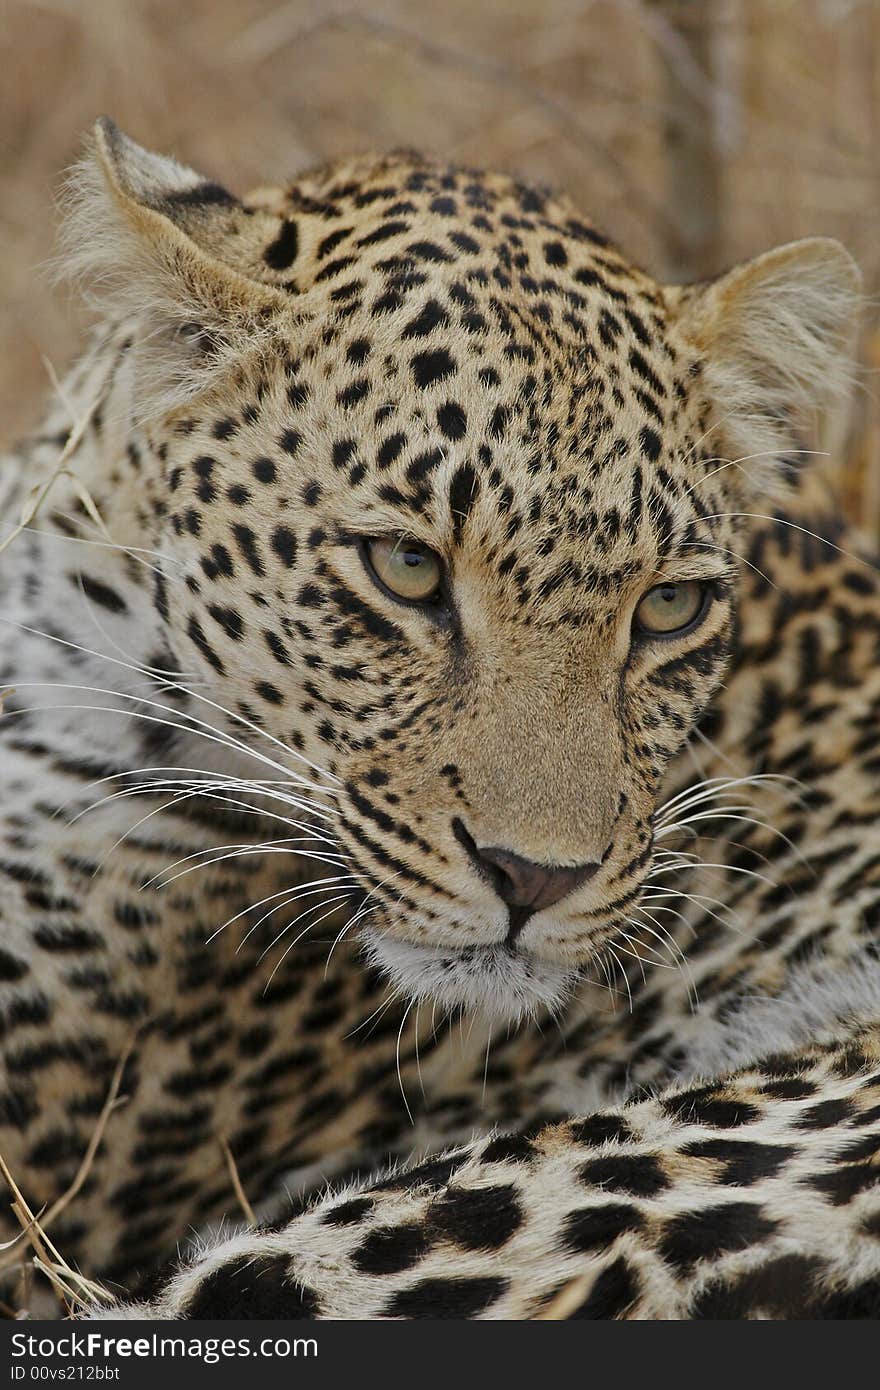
<point x="497" y="981"/>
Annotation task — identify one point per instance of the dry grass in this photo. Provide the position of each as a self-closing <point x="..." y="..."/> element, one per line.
<point x="592" y="95"/>
<point x="73" y="1290"/>
<point x="238" y="1189"/>
<point x="32" y="1250"/>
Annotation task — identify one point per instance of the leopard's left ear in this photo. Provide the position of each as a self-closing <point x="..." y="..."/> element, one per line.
<point x="777" y="339"/>
<point x="178" y="258"/>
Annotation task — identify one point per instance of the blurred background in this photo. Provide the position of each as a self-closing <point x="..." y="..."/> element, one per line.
<point x="696" y="132"/>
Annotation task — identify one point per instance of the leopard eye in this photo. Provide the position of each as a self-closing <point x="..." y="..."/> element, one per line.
<point x="670" y="607"/>
<point x="409" y="571"/>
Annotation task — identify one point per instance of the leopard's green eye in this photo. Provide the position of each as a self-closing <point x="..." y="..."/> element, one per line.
<point x="669" y="607"/>
<point x="410" y="571"/>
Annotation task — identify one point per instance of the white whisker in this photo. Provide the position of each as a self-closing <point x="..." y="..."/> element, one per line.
<point x="406" y="1014"/>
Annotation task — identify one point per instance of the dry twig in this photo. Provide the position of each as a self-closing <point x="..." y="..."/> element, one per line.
<point x="236" y="1184"/>
<point x="39" y="494"/>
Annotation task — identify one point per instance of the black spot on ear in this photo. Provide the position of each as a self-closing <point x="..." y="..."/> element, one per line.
<point x="252" y="1288"/>
<point x="281" y="252"/>
<point x="203" y="195"/>
<point x="446" y="1298"/>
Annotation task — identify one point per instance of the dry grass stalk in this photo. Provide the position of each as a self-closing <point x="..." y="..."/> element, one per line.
<point x="70" y="1286"/>
<point x="237" y="1187"/>
<point x="76" y="1291"/>
<point x="36" y="1236"/>
<point x="41" y="491"/>
<point x="112" y="1102"/>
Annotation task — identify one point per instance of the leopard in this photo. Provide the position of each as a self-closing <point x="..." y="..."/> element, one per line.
<point x="440" y="736"/>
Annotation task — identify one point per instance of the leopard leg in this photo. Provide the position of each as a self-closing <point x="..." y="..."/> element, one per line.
<point x="754" y="1196"/>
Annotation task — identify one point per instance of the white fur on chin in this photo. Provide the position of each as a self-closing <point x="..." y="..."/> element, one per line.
<point x="502" y="985"/>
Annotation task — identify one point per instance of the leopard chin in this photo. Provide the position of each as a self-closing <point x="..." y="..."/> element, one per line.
<point x="500" y="984"/>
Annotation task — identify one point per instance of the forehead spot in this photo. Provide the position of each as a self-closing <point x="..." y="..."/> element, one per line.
<point x="452" y="420"/>
<point x="432" y="316"/>
<point x="430" y="367"/>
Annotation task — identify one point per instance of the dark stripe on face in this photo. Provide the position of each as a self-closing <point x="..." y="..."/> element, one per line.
<point x="703" y="660"/>
<point x="388" y="861"/>
<point x="378" y="892"/>
<point x="197" y="636"/>
<point x="353" y="606"/>
<point x="387" y="823"/>
<point x="463" y="492"/>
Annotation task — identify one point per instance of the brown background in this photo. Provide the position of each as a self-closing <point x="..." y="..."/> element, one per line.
<point x="695" y="131"/>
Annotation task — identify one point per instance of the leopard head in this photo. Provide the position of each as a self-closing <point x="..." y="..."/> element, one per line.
<point x="447" y="499"/>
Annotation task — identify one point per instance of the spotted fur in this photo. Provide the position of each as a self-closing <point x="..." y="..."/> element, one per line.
<point x="291" y="764"/>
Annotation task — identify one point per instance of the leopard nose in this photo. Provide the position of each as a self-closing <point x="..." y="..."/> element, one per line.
<point x="519" y="882"/>
<point x="523" y="883"/>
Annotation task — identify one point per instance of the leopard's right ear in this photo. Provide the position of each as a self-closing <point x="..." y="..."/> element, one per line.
<point x="777" y="338"/>
<point x="177" y="256"/>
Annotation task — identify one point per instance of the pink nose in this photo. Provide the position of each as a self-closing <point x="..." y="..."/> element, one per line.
<point x="522" y="883"/>
<point x="525" y="886"/>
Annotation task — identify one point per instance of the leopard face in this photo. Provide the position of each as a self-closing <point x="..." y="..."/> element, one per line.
<point x="446" y="496"/>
